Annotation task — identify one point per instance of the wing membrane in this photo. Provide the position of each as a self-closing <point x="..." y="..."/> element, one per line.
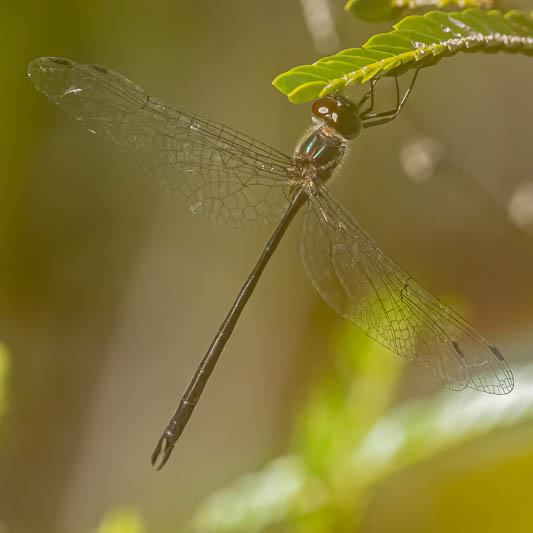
<point x="221" y="173"/>
<point x="362" y="284"/>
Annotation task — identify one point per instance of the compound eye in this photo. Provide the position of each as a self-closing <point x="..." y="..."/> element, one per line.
<point x="348" y="124"/>
<point x="324" y="107"/>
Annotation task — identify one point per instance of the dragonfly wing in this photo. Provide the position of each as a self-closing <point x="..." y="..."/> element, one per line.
<point x="221" y="173"/>
<point x="357" y="279"/>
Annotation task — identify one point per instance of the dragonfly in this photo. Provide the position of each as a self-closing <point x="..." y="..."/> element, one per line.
<point x="240" y="182"/>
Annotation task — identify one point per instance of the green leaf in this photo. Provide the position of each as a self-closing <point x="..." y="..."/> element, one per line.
<point x="376" y="10"/>
<point x="416" y="42"/>
<point x="373" y="10"/>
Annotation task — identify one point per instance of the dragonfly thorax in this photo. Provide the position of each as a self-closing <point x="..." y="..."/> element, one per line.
<point x="319" y="153"/>
<point x="323" y="147"/>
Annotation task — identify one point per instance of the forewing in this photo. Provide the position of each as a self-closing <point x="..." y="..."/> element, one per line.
<point x="362" y="284"/>
<point x="221" y="173"/>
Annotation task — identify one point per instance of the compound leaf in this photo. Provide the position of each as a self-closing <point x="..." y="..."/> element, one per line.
<point x="417" y="41"/>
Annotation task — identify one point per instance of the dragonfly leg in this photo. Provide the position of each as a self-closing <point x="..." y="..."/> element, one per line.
<point x="390" y="115"/>
<point x="365" y="115"/>
<point x="369" y="94"/>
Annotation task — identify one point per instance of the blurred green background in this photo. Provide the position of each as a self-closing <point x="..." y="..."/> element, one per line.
<point x="111" y="292"/>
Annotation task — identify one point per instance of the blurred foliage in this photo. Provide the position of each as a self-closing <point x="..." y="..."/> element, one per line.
<point x="348" y="439"/>
<point x="122" y="520"/>
<point x="4" y="370"/>
<point x="377" y="10"/>
<point x="416" y="42"/>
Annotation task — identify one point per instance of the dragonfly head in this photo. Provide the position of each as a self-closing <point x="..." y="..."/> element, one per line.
<point x="339" y="113"/>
